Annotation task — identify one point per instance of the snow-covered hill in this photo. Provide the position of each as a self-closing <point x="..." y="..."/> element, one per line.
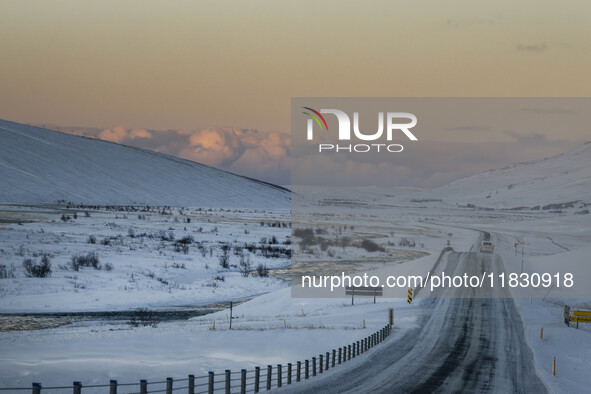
<point x="552" y="183"/>
<point x="42" y="166"/>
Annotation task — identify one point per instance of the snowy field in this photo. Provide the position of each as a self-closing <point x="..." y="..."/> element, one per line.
<point x="269" y="329"/>
<point x="151" y="258"/>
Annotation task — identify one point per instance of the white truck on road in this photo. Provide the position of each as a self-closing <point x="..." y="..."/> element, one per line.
<point x="487" y="247"/>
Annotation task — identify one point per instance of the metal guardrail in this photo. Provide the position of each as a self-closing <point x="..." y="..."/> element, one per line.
<point x="243" y="381"/>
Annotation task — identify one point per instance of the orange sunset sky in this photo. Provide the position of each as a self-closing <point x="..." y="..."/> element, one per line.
<point x="212" y="81"/>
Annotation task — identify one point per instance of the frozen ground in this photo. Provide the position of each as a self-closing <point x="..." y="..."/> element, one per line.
<point x="270" y="329"/>
<point x="162" y="257"/>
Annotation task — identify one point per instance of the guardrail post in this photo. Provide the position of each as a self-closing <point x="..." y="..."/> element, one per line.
<point x="307" y="372"/>
<point x="36" y="388"/>
<point x="210" y="383"/>
<point x="340" y="351"/>
<point x="288" y="373"/>
<point x="257" y="379"/>
<point x="228" y="381"/>
<point x="143" y="386"/>
<point x="313" y="366"/>
<point x="269" y="374"/>
<point x="77" y="388"/>
<point x="334" y="355"/>
<point x="320" y="362"/>
<point x="168" y="385"/>
<point x="279" y="377"/>
<point x="327" y="360"/>
<point x="243" y="381"/>
<point x="299" y="371"/>
<point x="191" y="384"/>
<point x="112" y="386"/>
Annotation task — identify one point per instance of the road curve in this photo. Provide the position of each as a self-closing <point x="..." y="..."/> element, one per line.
<point x="470" y="340"/>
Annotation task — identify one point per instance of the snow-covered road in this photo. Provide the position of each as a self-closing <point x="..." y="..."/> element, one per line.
<point x="470" y="340"/>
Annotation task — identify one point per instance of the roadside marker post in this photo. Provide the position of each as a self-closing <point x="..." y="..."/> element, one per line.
<point x="409" y="299"/>
<point x="390" y="317"/>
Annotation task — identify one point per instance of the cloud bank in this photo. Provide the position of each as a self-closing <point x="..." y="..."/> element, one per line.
<point x="270" y="156"/>
<point x="248" y="152"/>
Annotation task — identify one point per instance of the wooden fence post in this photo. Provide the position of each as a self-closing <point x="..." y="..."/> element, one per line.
<point x="269" y="375"/>
<point x="390" y="317"/>
<point x="191" y="384"/>
<point x="77" y="388"/>
<point x="327" y="361"/>
<point x="257" y="378"/>
<point x="168" y="385"/>
<point x="228" y="381"/>
<point x="299" y="371"/>
<point x="36" y="388"/>
<point x="288" y="373"/>
<point x="112" y="386"/>
<point x="210" y="382"/>
<point x="334" y="353"/>
<point x="321" y="363"/>
<point x="279" y="377"/>
<point x="243" y="381"/>
<point x="307" y="372"/>
<point x="349" y="352"/>
<point x="313" y="366"/>
<point x="340" y="351"/>
<point x="143" y="386"/>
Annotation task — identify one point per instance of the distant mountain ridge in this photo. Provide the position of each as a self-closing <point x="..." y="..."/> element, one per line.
<point x="39" y="166"/>
<point x="550" y="181"/>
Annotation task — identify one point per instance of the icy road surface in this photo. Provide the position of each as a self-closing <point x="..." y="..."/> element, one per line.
<point x="464" y="344"/>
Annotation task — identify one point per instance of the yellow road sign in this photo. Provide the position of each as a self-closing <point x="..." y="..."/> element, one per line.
<point x="580" y="319"/>
<point x="582" y="313"/>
